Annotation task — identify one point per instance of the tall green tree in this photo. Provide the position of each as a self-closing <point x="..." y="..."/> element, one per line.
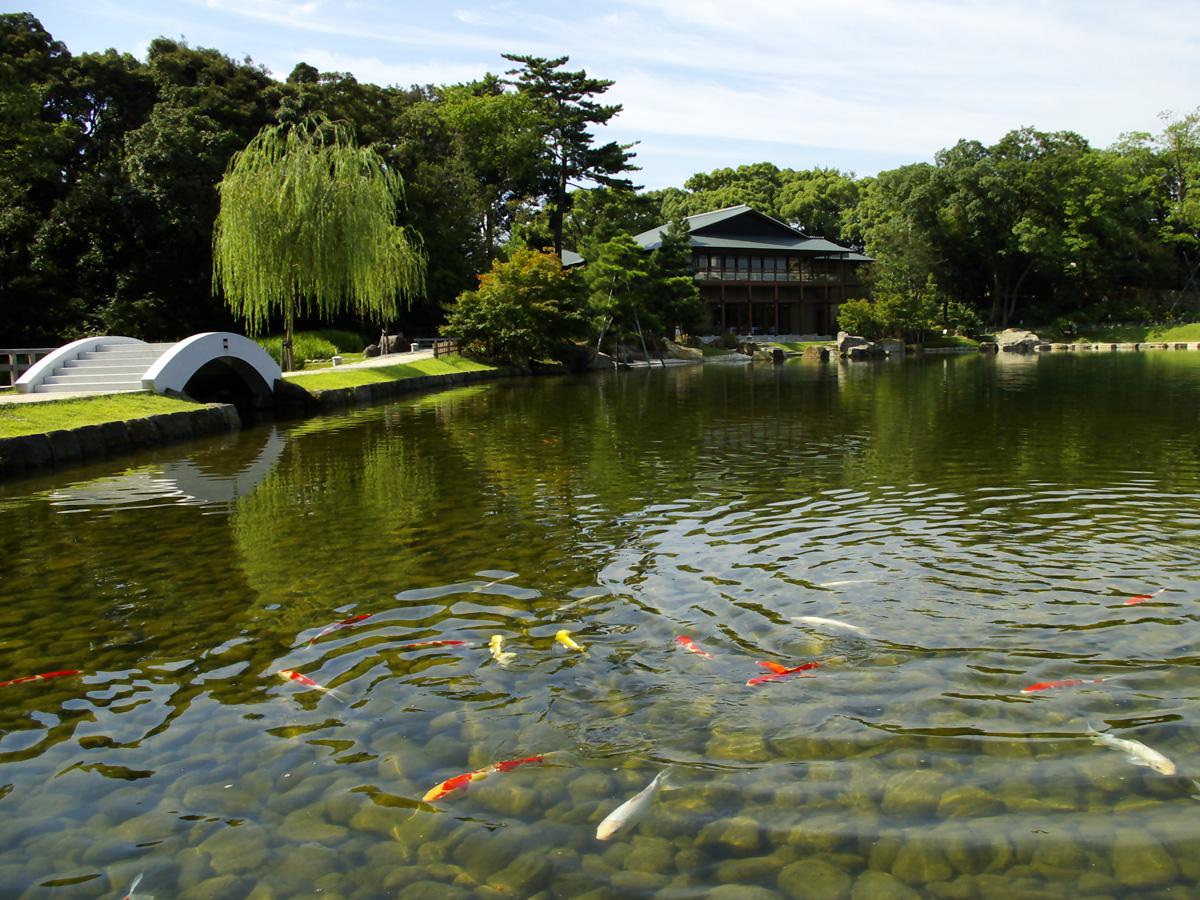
<point x="563" y="102"/>
<point x="307" y="223"/>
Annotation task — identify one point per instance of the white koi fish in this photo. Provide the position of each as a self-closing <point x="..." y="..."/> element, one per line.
<point x="499" y="654"/>
<point x="846" y="582"/>
<point x="133" y="887"/>
<point x="1139" y="753"/>
<point x="632" y="809"/>
<point x="828" y="623"/>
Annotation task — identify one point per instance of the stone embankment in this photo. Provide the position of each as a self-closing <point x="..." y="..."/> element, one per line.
<point x="89" y="443"/>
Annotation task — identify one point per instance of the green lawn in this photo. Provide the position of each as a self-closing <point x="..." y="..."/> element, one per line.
<point x="1132" y="334"/>
<point x="38" y="418"/>
<point x="950" y="340"/>
<point x="344" y="378"/>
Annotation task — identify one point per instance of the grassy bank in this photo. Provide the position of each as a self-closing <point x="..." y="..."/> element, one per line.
<point x="18" y="419"/>
<point x="329" y="379"/>
<point x="1131" y="334"/>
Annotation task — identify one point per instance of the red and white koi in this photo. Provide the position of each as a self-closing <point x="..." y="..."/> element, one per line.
<point x="1066" y="682"/>
<point x="460" y="782"/>
<point x="1142" y="598"/>
<point x="344" y="623"/>
<point x="420" y="644"/>
<point x="299" y="678"/>
<point x="780" y="672"/>
<point x="690" y="646"/>
<point x="45" y="676"/>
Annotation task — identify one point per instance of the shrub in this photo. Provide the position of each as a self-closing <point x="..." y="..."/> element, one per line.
<point x="306" y="345"/>
<point x="526" y="308"/>
<point x="860" y="317"/>
<point x="728" y="341"/>
<point x="345" y="341"/>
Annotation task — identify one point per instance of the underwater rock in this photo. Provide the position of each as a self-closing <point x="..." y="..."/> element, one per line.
<point x="590" y="786"/>
<point x="914" y="793"/>
<point x="1139" y="860"/>
<point x="971" y="851"/>
<point x="740" y="892"/>
<point x="507" y="798"/>
<point x="650" y="854"/>
<point x="236" y="850"/>
<point x="872" y="885"/>
<point x="968" y="801"/>
<point x="819" y="834"/>
<point x="752" y="870"/>
<point x="738" y="835"/>
<point x="738" y="746"/>
<point x="525" y="875"/>
<point x="921" y="860"/>
<point x="221" y="886"/>
<point x="815" y="879"/>
<point x="433" y="890"/>
<point x="638" y="882"/>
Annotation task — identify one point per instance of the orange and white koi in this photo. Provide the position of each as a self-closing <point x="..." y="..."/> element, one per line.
<point x="690" y="646"/>
<point x="45" y="676"/>
<point x="460" y="782"/>
<point x="1142" y="598"/>
<point x="564" y="637"/>
<point x="420" y="644"/>
<point x="781" y="672"/>
<point x="293" y="675"/>
<point x="1066" y="682"/>
<point x="353" y="620"/>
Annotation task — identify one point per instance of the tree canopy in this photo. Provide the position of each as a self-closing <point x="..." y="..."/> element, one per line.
<point x="307" y="225"/>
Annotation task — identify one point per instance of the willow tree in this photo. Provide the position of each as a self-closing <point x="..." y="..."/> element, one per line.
<point x="307" y="225"/>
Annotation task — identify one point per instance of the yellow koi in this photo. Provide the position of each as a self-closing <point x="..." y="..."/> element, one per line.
<point x="499" y="654"/>
<point x="564" y="637"/>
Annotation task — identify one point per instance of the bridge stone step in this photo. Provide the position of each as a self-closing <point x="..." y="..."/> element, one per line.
<point x="118" y="387"/>
<point x="141" y="353"/>
<point x="101" y="367"/>
<point x="93" y="378"/>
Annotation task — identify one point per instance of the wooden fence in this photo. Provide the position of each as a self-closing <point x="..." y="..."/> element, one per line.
<point x="16" y="361"/>
<point x="445" y="347"/>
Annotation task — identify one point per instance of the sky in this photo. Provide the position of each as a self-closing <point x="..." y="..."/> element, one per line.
<point x="858" y="85"/>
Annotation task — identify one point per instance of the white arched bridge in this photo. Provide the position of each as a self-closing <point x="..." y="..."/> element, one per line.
<point x="215" y="366"/>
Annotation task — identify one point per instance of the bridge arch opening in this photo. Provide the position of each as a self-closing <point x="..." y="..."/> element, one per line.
<point x="228" y="379"/>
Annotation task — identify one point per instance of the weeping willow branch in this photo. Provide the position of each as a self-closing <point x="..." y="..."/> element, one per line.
<point x="307" y="226"/>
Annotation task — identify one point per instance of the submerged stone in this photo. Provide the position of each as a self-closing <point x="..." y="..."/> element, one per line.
<point x="754" y="869"/>
<point x="814" y="879"/>
<point x="873" y="885"/>
<point x="968" y="801"/>
<point x="921" y="860"/>
<point x="739" y="835"/>
<point x="1139" y="860"/>
<point x="914" y="793"/>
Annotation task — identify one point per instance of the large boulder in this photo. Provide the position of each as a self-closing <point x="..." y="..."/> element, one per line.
<point x="1017" y="340"/>
<point x="678" y="351"/>
<point x="846" y="342"/>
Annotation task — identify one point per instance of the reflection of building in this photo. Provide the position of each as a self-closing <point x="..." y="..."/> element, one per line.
<point x="759" y="276"/>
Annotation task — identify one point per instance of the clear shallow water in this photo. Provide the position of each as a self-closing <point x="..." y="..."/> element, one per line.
<point x="983" y="520"/>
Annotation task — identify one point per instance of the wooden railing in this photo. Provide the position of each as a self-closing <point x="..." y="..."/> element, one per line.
<point x="15" y="362"/>
<point x="445" y="347"/>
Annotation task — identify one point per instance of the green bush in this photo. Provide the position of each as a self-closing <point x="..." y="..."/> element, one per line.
<point x="306" y="345"/>
<point x="861" y="318"/>
<point x="728" y="341"/>
<point x="345" y="341"/>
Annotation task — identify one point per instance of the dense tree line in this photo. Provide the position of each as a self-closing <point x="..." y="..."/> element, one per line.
<point x="109" y="168"/>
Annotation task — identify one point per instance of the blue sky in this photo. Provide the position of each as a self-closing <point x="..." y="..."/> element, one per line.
<point x="861" y="85"/>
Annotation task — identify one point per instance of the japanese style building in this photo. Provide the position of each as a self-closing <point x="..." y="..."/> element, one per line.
<point x="759" y="276"/>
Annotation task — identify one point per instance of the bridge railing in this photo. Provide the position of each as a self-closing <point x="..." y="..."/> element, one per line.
<point x="445" y="347"/>
<point x="16" y="361"/>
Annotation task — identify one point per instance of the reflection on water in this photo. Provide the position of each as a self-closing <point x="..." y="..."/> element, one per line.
<point x="984" y="523"/>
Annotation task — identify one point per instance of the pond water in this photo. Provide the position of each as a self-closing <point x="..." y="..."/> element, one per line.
<point x="984" y="522"/>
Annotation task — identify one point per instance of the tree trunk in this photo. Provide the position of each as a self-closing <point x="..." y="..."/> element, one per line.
<point x="286" y="355"/>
